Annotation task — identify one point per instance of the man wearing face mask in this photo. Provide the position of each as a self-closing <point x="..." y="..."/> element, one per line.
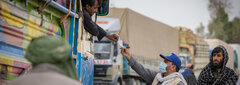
<point x="168" y="74"/>
<point x="216" y="72"/>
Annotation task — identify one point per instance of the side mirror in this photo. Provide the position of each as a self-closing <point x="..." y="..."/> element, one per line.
<point x="114" y="60"/>
<point x="103" y="8"/>
<point x="115" y="49"/>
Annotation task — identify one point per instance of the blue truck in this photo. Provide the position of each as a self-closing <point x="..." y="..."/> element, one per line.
<point x="23" y="20"/>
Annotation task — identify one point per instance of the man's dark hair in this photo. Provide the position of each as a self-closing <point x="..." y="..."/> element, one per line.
<point x="216" y="50"/>
<point x="89" y="2"/>
<point x="191" y="67"/>
<point x="177" y="69"/>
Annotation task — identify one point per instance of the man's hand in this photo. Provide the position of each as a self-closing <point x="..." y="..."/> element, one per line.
<point x="126" y="53"/>
<point x="113" y="37"/>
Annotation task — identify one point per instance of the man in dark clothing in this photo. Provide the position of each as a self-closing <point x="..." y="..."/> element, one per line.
<point x="89" y="9"/>
<point x="168" y="74"/>
<point x="216" y="72"/>
<point x="189" y="75"/>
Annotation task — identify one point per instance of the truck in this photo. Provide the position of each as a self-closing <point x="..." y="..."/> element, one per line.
<point x="108" y="59"/>
<point x="193" y="49"/>
<point x="186" y="45"/>
<point x="146" y="42"/>
<point x="23" y="20"/>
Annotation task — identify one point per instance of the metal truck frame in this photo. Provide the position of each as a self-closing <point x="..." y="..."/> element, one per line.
<point x="22" y="20"/>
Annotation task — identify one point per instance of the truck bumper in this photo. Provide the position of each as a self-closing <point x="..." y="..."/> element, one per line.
<point x="103" y="82"/>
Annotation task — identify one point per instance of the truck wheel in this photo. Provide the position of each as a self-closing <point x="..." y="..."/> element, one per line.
<point x="124" y="82"/>
<point x="143" y="83"/>
<point x="119" y="82"/>
<point x="131" y="81"/>
<point x="137" y="82"/>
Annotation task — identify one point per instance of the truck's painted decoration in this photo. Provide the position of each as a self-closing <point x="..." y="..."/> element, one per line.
<point x="19" y="24"/>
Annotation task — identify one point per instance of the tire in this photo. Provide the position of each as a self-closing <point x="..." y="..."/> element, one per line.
<point x="119" y="82"/>
<point x="124" y="82"/>
<point x="143" y="83"/>
<point x="137" y="82"/>
<point x="131" y="81"/>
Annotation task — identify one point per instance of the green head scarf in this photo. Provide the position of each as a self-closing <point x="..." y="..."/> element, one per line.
<point x="53" y="50"/>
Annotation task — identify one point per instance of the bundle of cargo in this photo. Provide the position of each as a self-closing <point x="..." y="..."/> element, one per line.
<point x="193" y="49"/>
<point x="139" y="34"/>
<point x="201" y="58"/>
<point x="186" y="45"/>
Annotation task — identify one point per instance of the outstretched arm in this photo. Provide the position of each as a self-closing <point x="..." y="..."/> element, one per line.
<point x="146" y="74"/>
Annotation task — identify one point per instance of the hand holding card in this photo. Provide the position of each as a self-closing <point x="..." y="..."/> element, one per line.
<point x="120" y="42"/>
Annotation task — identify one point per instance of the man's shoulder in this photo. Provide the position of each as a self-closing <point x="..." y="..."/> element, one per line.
<point x="229" y="69"/>
<point x="180" y="81"/>
<point x="37" y="78"/>
<point x="86" y="14"/>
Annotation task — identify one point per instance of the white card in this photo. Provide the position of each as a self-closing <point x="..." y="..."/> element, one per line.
<point x="120" y="42"/>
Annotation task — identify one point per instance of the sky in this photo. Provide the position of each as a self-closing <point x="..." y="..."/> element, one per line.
<point x="184" y="13"/>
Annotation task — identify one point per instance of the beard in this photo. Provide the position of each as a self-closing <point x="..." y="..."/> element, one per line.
<point x="217" y="65"/>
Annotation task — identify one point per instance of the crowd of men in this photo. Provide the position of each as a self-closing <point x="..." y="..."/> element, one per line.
<point x="52" y="64"/>
<point x="214" y="73"/>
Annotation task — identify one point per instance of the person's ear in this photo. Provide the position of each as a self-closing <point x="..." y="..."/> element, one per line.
<point x="174" y="67"/>
<point x="88" y="7"/>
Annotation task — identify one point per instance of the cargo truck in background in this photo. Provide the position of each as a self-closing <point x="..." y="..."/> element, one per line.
<point x="193" y="49"/>
<point x="111" y="68"/>
<point x="108" y="59"/>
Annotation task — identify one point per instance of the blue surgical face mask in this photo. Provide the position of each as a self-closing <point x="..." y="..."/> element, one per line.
<point x="162" y="67"/>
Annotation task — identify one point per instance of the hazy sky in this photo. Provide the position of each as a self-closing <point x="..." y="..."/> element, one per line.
<point x="185" y="13"/>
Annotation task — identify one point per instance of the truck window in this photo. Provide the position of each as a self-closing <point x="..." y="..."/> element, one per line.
<point x="102" y="50"/>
